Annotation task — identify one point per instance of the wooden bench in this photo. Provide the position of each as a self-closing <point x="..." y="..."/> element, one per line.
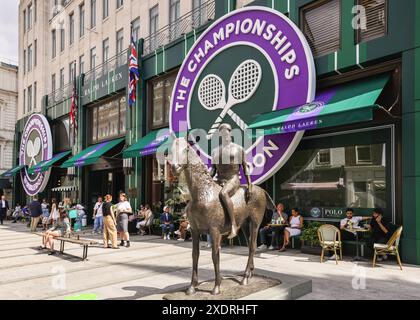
<point x="72" y="239"/>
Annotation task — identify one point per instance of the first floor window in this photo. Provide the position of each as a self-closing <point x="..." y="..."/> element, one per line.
<point x="108" y="119"/>
<point x="323" y="34"/>
<point x="29" y="98"/>
<point x="375" y="24"/>
<point x="81" y="64"/>
<point x="161" y="99"/>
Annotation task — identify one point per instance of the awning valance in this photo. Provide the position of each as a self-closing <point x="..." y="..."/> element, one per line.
<point x="12" y="172"/>
<point x="92" y="154"/>
<point x="149" y="144"/>
<point x="47" y="164"/>
<point x="64" y="189"/>
<point x="342" y="105"/>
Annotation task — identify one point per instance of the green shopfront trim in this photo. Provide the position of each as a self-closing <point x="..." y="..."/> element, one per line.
<point x="343" y="105"/>
<point x="46" y="165"/>
<point x="92" y="154"/>
<point x="13" y="172"/>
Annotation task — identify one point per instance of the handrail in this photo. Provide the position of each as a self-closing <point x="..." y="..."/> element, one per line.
<point x="112" y="63"/>
<point x="63" y="5"/>
<point x="65" y="92"/>
<point x="184" y="24"/>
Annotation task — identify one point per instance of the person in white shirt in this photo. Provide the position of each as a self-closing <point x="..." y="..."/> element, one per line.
<point x="98" y="216"/>
<point x="123" y="211"/>
<point x="350" y="222"/>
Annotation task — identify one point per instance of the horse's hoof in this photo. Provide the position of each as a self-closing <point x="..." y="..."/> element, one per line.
<point x="244" y="281"/>
<point x="190" y="291"/>
<point x="216" y="291"/>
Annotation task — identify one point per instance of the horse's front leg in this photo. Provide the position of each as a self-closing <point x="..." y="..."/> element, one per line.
<point x="195" y="255"/>
<point x="253" y="230"/>
<point x="216" y="239"/>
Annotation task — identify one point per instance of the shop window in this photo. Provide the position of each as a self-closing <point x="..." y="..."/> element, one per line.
<point x="344" y="183"/>
<point x="321" y="25"/>
<point x="363" y="154"/>
<point x="107" y="121"/>
<point x="324" y="157"/>
<point x="162" y="94"/>
<point x="373" y="23"/>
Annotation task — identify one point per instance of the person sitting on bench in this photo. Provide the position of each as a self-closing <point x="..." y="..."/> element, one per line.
<point x="146" y="214"/>
<point x="60" y="230"/>
<point x="295" y="229"/>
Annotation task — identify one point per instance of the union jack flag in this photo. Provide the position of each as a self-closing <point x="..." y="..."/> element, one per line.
<point x="73" y="111"/>
<point x="134" y="74"/>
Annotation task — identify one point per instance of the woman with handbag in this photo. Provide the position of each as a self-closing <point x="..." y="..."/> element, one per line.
<point x="123" y="211"/>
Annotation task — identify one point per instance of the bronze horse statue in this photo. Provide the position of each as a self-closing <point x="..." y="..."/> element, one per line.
<point x="207" y="215"/>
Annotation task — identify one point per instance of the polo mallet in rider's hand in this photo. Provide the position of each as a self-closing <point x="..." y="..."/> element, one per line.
<point x="242" y="86"/>
<point x="32" y="150"/>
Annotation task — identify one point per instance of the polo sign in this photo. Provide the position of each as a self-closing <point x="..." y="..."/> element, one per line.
<point x="251" y="61"/>
<point x="35" y="147"/>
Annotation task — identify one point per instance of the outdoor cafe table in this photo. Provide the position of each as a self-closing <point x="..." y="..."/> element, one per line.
<point x="275" y="225"/>
<point x="356" y="231"/>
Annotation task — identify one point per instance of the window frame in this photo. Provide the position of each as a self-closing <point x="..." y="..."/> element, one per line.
<point x="316" y="5"/>
<point x="105" y="9"/>
<point x="95" y="108"/>
<point x="93" y="14"/>
<point x="82" y="22"/>
<point x="53" y="43"/>
<point x="360" y="162"/>
<point x="72" y="25"/>
<point x="358" y="32"/>
<point x="151" y="110"/>
<point x="318" y="156"/>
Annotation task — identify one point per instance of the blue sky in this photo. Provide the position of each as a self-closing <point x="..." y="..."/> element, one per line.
<point x="9" y="29"/>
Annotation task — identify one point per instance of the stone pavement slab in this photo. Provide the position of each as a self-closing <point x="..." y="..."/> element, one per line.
<point x="153" y="267"/>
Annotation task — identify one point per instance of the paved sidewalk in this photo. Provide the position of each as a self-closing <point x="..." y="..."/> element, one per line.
<point x="154" y="266"/>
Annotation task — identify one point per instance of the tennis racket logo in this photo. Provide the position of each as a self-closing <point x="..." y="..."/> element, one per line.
<point x="243" y="84"/>
<point x="32" y="150"/>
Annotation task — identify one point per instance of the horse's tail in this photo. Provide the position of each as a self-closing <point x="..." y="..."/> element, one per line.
<point x="270" y="203"/>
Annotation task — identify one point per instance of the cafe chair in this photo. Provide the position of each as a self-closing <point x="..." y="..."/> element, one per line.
<point x="330" y="240"/>
<point x="390" y="248"/>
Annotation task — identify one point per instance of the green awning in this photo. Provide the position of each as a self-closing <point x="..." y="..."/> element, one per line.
<point x="47" y="164"/>
<point x="92" y="154"/>
<point x="12" y="172"/>
<point x="149" y="144"/>
<point x="342" y="105"/>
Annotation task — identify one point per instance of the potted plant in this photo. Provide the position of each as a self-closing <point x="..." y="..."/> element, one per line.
<point x="309" y="238"/>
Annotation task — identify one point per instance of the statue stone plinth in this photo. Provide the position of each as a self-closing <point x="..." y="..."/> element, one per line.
<point x="230" y="289"/>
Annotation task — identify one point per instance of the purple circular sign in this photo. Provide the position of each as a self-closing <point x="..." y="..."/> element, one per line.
<point x="292" y="64"/>
<point x="35" y="147"/>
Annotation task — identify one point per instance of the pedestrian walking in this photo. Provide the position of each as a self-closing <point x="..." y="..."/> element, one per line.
<point x="36" y="212"/>
<point x="98" y="217"/>
<point x="110" y="230"/>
